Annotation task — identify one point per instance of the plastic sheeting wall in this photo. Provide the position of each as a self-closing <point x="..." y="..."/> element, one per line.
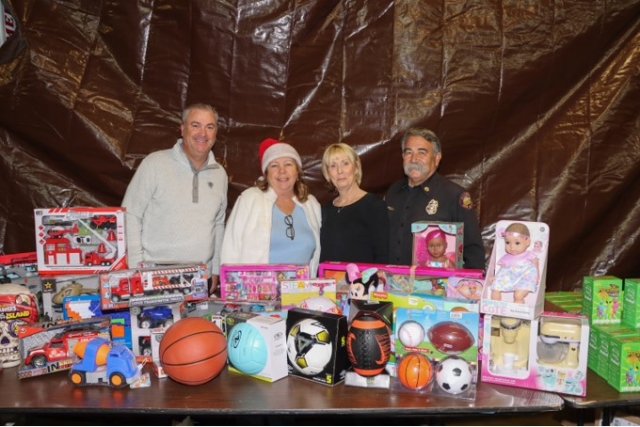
<point x="537" y="103"/>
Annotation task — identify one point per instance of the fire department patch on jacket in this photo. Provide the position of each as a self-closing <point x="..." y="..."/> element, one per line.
<point x="465" y="200"/>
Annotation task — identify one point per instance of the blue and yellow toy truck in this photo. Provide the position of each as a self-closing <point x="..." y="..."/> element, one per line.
<point x="104" y="364"/>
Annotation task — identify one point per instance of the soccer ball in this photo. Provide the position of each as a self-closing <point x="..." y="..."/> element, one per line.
<point x="309" y="347"/>
<point x="320" y="303"/>
<point x="453" y="375"/>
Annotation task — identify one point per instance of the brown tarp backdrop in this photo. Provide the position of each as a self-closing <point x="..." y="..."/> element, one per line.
<point x="537" y="103"/>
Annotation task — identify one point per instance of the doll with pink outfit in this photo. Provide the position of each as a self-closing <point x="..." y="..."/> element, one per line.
<point x="517" y="270"/>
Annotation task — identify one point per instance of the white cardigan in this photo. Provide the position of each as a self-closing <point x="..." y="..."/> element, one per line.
<point x="247" y="235"/>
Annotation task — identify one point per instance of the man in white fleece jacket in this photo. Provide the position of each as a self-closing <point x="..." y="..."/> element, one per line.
<point x="177" y="199"/>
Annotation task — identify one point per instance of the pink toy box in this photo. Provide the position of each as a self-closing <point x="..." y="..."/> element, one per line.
<point x="257" y="282"/>
<point x="548" y="353"/>
<point x="360" y="280"/>
<point x="446" y="243"/>
<point x="516" y="277"/>
<point x="80" y="240"/>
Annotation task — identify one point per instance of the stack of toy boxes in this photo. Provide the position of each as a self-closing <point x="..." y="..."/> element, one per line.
<point x="153" y="297"/>
<point x="569" y="301"/>
<point x="525" y="346"/>
<point x="614" y="345"/>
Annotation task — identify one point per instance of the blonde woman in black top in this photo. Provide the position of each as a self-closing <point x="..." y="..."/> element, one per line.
<point x="355" y="224"/>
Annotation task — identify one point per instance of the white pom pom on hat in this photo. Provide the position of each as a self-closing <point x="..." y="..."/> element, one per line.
<point x="271" y="149"/>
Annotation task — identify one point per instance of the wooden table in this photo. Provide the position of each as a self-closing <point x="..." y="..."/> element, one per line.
<point x="232" y="394"/>
<point x="600" y="395"/>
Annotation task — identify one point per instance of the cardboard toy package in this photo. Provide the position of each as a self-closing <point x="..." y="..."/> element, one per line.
<point x="516" y="276"/>
<point x="257" y="282"/>
<point x="547" y="353"/>
<point x="80" y="240"/>
<point x="360" y="280"/>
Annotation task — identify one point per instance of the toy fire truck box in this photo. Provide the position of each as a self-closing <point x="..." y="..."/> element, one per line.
<point x="145" y="318"/>
<point x="22" y="269"/>
<point x="155" y="337"/>
<point x="78" y="307"/>
<point x="257" y="282"/>
<point x="360" y="280"/>
<point x="47" y="347"/>
<point x="516" y="276"/>
<point x="80" y="240"/>
<point x="631" y="305"/>
<point x="317" y="346"/>
<point x="18" y="307"/>
<point x="548" y="353"/>
<point x="153" y="286"/>
<point x="56" y="288"/>
<point x="438" y="244"/>
<point x="602" y="299"/>
<point x="293" y="292"/>
<point x="437" y="334"/>
<point x="257" y="345"/>
<point x="624" y="374"/>
<point x="465" y="288"/>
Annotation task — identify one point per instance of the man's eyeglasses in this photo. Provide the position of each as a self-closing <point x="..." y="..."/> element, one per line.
<point x="290" y="231"/>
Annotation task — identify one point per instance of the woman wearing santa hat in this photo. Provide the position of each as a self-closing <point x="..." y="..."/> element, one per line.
<point x="277" y="221"/>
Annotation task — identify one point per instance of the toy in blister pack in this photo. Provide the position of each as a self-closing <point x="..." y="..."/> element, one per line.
<point x="260" y="282"/>
<point x="452" y="376"/>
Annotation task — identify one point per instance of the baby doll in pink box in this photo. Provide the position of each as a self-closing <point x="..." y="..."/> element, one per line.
<point x="437" y="256"/>
<point x="517" y="269"/>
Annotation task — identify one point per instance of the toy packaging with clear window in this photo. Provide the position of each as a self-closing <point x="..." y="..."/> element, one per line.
<point x="516" y="276"/>
<point x="547" y="353"/>
<point x="438" y="244"/>
<point x="80" y="240"/>
<point x="257" y="282"/>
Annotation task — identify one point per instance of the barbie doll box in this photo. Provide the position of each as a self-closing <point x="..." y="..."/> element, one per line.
<point x="548" y="353"/>
<point x="516" y="276"/>
<point x="438" y="244"/>
<point x="257" y="282"/>
<point x="80" y="240"/>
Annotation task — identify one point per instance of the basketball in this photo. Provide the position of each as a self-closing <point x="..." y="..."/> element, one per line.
<point x="368" y="344"/>
<point x="414" y="371"/>
<point x="193" y="351"/>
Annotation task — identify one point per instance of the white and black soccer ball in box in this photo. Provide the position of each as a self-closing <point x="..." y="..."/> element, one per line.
<point x="317" y="345"/>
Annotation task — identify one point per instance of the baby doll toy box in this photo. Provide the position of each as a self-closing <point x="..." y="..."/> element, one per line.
<point x="80" y="240"/>
<point x="516" y="276"/>
<point x="548" y="353"/>
<point x="438" y="244"/>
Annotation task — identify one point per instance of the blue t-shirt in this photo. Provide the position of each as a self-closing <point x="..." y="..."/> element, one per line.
<point x="285" y="250"/>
